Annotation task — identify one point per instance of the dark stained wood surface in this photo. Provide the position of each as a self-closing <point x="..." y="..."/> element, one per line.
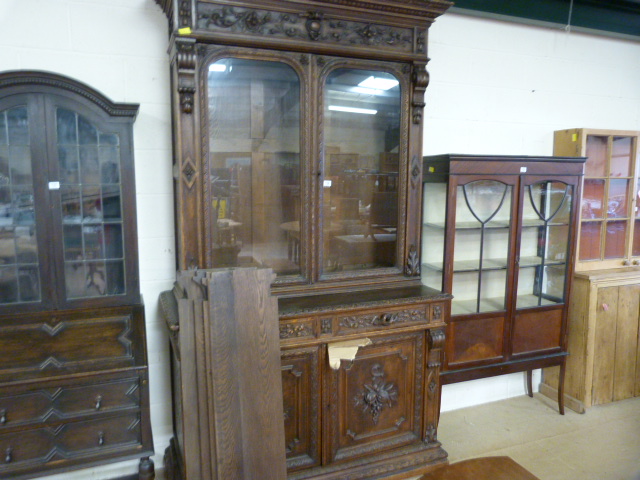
<point x="487" y="468"/>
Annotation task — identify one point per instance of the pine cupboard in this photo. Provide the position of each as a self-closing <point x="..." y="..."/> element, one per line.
<point x="298" y="147"/>
<point x="604" y="365"/>
<point x="603" y="329"/>
<point x="498" y="233"/>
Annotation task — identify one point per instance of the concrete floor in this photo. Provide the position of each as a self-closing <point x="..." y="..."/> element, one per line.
<point x="602" y="444"/>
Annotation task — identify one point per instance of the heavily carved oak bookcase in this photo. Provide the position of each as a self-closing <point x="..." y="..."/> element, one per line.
<point x="298" y="147"/>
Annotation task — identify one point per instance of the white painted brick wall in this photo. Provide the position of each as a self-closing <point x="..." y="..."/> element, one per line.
<point x="495" y="88"/>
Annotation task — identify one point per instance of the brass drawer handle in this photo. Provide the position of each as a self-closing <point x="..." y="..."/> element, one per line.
<point x="100" y="438"/>
<point x="8" y="455"/>
<point x="98" y="402"/>
<point x="3" y="416"/>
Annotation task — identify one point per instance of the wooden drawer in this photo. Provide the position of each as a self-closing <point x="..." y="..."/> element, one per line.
<point x="21" y="451"/>
<point x="367" y="321"/>
<point x="71" y="342"/>
<point x="41" y="402"/>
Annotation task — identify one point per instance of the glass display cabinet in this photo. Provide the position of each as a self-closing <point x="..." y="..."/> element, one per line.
<point x="298" y="148"/>
<point x="609" y="235"/>
<point x="498" y="233"/>
<point x="73" y="363"/>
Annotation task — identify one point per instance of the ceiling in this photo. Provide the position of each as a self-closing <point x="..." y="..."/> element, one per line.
<point x="617" y="18"/>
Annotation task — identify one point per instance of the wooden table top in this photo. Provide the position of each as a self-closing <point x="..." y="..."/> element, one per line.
<point x="485" y="468"/>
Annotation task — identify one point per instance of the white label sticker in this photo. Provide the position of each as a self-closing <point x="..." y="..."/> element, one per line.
<point x="54" y="185"/>
<point x="326" y="183"/>
<point x="523" y="169"/>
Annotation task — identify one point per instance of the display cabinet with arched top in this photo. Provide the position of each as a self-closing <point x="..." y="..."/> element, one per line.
<point x="499" y="233"/>
<point x="73" y="364"/>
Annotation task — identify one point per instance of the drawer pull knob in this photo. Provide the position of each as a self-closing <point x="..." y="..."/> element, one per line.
<point x="100" y="438"/>
<point x="98" y="402"/>
<point x="8" y="455"/>
<point x="3" y="416"/>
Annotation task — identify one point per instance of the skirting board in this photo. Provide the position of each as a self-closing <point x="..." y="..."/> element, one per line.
<point x="570" y="402"/>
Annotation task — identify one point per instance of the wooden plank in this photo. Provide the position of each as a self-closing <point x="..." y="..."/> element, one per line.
<point x="604" y="348"/>
<point x="637" y="376"/>
<point x="626" y="346"/>
<point x="259" y="375"/>
<point x="246" y="389"/>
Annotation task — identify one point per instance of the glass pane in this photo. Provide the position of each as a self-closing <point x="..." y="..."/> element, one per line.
<point x="615" y="240"/>
<point x="87" y="133"/>
<point x="617" y="203"/>
<point x="18" y="126"/>
<point x="592" y="199"/>
<point x="4" y="135"/>
<point x="89" y="162"/>
<point x="621" y="160"/>
<point x="433" y="234"/>
<point x="90" y="165"/>
<point x="636" y="238"/>
<point x="19" y="262"/>
<point x="590" y="240"/>
<point x="67" y="127"/>
<point x="254" y="143"/>
<point x="361" y="130"/>
<point x="68" y="164"/>
<point x="20" y="165"/>
<point x="544" y="244"/>
<point x="596" y="165"/>
<point x="113" y="240"/>
<point x="483" y="210"/>
<point x="111" y="208"/>
<point x="109" y="164"/>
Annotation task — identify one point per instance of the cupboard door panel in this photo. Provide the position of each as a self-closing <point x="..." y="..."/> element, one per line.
<point x="300" y="378"/>
<point x="537" y="330"/>
<point x="475" y="340"/>
<point x="626" y="345"/>
<point x="605" y="338"/>
<point x="375" y="401"/>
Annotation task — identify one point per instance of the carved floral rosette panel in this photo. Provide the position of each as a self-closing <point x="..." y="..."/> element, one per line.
<point x="313" y="27"/>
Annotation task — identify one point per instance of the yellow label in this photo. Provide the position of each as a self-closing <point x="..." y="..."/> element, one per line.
<point x="432" y="169"/>
<point x="574" y="137"/>
<point x="184" y="31"/>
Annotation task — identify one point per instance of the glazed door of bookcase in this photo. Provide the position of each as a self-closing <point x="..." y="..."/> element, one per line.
<point x="610" y="220"/>
<point x="479" y="267"/>
<point x="543" y="263"/>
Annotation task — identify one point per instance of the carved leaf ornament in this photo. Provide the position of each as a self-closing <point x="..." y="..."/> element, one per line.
<point x="376" y="395"/>
<point x="310" y="26"/>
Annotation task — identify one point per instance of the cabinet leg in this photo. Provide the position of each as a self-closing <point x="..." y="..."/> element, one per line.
<point x="530" y="383"/>
<point x="561" y="386"/>
<point x="146" y="470"/>
<point x="172" y="469"/>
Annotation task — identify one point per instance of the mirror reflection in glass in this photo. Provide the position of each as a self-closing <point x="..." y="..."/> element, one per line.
<point x="254" y="154"/>
<point x="361" y="128"/>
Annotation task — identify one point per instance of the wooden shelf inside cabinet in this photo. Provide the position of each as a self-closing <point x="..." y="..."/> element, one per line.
<point x="498" y="234"/>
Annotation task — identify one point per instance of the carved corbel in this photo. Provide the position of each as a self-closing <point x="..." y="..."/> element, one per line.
<point x="412" y="267"/>
<point x="186" y="69"/>
<point x="420" y="82"/>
